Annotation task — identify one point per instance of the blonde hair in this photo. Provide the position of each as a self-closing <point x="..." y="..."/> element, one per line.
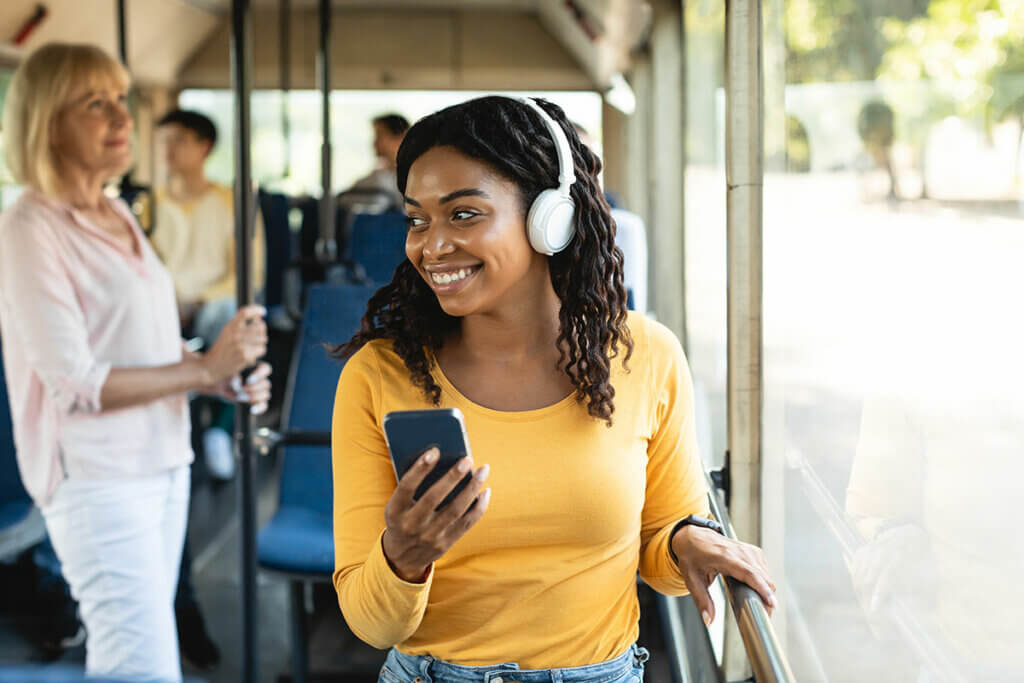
<point x="41" y="88"/>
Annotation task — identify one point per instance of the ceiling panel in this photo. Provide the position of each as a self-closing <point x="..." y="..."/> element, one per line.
<point x="162" y="34"/>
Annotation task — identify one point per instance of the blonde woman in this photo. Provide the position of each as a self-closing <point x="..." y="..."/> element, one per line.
<point x="96" y="370"/>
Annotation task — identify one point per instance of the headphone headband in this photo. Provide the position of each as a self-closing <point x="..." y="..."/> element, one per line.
<point x="566" y="173"/>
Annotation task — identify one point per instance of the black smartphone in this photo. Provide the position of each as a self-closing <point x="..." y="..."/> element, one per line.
<point x="410" y="432"/>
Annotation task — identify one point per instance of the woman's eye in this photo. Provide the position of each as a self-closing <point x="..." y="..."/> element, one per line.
<point x="464" y="215"/>
<point x="415" y="222"/>
<point x="95" y="104"/>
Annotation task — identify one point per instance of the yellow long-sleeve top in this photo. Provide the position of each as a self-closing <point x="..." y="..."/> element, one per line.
<point x="547" y="577"/>
<point x="196" y="241"/>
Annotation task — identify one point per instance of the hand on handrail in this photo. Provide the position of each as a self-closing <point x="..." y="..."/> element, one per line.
<point x="703" y="554"/>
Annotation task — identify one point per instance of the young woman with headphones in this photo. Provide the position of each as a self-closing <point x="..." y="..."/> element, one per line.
<point x="511" y="308"/>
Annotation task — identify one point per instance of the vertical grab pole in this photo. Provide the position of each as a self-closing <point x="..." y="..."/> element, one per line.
<point x="328" y="245"/>
<point x="240" y="74"/>
<point x="744" y="142"/>
<point x="122" y="33"/>
<point x="285" y="47"/>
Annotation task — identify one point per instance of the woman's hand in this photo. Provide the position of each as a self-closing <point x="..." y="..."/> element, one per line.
<point x="704" y="553"/>
<point x="242" y="342"/>
<point x="255" y="391"/>
<point x="416" y="534"/>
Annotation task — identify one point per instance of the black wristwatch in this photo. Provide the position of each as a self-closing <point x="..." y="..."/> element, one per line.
<point x="695" y="521"/>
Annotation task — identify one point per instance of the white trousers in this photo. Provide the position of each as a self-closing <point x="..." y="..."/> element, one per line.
<point x="119" y="543"/>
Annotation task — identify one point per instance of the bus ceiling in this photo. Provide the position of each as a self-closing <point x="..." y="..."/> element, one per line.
<point x="385" y="44"/>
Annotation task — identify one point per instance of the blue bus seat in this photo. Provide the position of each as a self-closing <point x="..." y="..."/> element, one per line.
<point x="298" y="539"/>
<point x="274" y="206"/>
<point x="378" y="243"/>
<point x="17" y="531"/>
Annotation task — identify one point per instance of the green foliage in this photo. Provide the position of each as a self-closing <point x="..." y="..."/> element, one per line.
<point x="970" y="50"/>
<point x="839" y="40"/>
<point x="967" y="54"/>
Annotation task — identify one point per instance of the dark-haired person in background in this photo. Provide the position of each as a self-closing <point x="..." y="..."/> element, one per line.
<point x="580" y="418"/>
<point x="388" y="131"/>
<point x="195" y="238"/>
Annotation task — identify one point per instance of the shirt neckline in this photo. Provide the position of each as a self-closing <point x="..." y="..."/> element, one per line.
<point x="503" y="415"/>
<point x="135" y="255"/>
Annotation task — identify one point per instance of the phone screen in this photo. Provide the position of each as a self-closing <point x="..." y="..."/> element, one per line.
<point x="411" y="432"/>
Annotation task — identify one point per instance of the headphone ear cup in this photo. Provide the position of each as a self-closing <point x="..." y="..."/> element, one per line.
<point x="549" y="224"/>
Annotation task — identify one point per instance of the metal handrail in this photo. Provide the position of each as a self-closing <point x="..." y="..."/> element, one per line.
<point x="767" y="659"/>
<point x="266" y="440"/>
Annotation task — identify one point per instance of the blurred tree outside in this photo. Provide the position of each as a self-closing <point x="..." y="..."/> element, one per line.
<point x="930" y="58"/>
<point x="972" y="51"/>
<point x="840" y="40"/>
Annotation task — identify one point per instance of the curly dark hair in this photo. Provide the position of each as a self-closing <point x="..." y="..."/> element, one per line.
<point x="513" y="140"/>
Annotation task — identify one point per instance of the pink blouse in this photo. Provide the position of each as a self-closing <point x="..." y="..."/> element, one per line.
<point x="74" y="303"/>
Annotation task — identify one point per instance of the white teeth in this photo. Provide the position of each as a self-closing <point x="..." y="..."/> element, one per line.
<point x="448" y="278"/>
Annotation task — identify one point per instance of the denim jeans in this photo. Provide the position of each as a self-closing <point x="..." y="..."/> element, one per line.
<point x="402" y="668"/>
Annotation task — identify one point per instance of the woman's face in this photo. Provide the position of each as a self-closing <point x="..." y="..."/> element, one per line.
<point x="467" y="235"/>
<point x="94" y="131"/>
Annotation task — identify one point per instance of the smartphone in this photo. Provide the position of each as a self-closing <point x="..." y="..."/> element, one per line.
<point x="411" y="432"/>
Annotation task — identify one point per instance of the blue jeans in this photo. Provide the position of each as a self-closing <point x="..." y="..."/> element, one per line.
<point x="402" y="668"/>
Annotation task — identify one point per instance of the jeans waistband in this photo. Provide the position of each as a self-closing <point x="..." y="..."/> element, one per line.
<point x="427" y="669"/>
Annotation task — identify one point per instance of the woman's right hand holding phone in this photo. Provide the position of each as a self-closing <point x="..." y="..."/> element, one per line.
<point x="417" y="535"/>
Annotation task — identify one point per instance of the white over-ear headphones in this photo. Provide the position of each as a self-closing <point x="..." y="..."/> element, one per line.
<point x="549" y="223"/>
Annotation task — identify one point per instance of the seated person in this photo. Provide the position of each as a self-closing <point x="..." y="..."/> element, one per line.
<point x="195" y="238"/>
<point x="388" y="131"/>
<point x="630" y="237"/>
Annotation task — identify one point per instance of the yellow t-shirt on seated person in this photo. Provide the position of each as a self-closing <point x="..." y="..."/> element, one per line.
<point x="547" y="578"/>
<point x="196" y="241"/>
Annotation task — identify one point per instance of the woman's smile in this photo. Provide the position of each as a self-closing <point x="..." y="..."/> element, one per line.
<point x="451" y="279"/>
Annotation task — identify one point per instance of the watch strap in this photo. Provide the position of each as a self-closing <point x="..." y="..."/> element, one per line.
<point x="692" y="520"/>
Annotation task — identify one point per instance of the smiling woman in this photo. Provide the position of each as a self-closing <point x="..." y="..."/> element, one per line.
<point x="580" y="288"/>
<point x="581" y="417"/>
<point x="84" y="78"/>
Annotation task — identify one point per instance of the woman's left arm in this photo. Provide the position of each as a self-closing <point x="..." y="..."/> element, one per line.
<point x="675" y="560"/>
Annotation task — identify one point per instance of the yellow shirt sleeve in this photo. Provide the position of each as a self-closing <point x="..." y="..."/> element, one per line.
<point x="380" y="608"/>
<point x="675" y="476"/>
